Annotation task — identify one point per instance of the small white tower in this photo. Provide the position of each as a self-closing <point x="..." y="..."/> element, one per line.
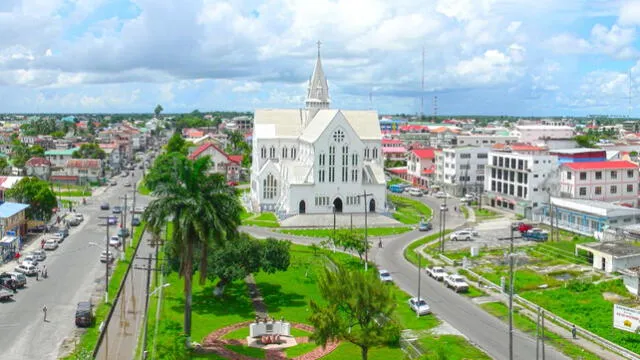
<point x="318" y="91"/>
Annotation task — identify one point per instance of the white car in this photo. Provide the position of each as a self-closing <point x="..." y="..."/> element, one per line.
<point x="138" y="210"/>
<point x="106" y="256"/>
<point x="51" y="244"/>
<point x="419" y="306"/>
<point x="40" y="255"/>
<point x="115" y="241"/>
<point x="441" y="195"/>
<point x="415" y="192"/>
<point x="462" y="235"/>
<point x="57" y="237"/>
<point x="456" y="282"/>
<point x="385" y="276"/>
<point x="27" y="269"/>
<point x="29" y="259"/>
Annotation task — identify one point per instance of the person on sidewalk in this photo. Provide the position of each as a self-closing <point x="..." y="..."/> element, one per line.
<point x="38" y="275"/>
<point x="380" y="243"/>
<point x="574" y="331"/>
<point x="44" y="310"/>
<point x="42" y="244"/>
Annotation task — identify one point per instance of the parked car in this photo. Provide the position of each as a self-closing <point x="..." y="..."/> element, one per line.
<point x="535" y="234"/>
<point x="138" y="210"/>
<point x="104" y="206"/>
<point x="441" y="195"/>
<point x="385" y="276"/>
<point x="135" y="221"/>
<point x="57" y="237"/>
<point x="51" y="244"/>
<point x="456" y="283"/>
<point x="425" y="226"/>
<point x="419" y="306"/>
<point x="30" y="259"/>
<point x="396" y="188"/>
<point x="106" y="257"/>
<point x="64" y="232"/>
<point x="232" y="183"/>
<point x="116" y="209"/>
<point x="112" y="220"/>
<point x="127" y="184"/>
<point x="78" y="216"/>
<point x="115" y="241"/>
<point x="73" y="221"/>
<point x="84" y="314"/>
<point x="40" y="255"/>
<point x="19" y="279"/>
<point x="123" y="232"/>
<point x="114" y="183"/>
<point x="415" y="192"/>
<point x="436" y="272"/>
<point x="27" y="269"/>
<point x="462" y="235"/>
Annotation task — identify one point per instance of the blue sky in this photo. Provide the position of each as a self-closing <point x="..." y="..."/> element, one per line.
<point x="494" y="57"/>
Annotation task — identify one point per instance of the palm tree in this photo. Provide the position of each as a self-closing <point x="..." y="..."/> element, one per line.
<point x="204" y="212"/>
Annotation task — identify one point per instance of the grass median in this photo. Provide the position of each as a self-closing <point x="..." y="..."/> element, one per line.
<point x="327" y="233"/>
<point x="409" y="211"/>
<point x="410" y="252"/>
<point x="89" y="339"/>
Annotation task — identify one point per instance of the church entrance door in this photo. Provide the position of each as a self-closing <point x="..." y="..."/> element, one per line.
<point x="302" y="207"/>
<point x="372" y="205"/>
<point x="337" y="205"/>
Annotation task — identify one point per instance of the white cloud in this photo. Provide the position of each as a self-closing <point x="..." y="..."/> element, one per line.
<point x="630" y="13"/>
<point x="514" y="26"/>
<point x="247" y="87"/>
<point x="615" y="41"/>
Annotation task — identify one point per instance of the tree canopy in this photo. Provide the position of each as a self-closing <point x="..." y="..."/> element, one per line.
<point x="164" y="169"/>
<point x="36" y="193"/>
<point x="177" y="144"/>
<point x="359" y="309"/>
<point x="21" y="153"/>
<point x="89" y="151"/>
<point x="158" y="110"/>
<point x="245" y="256"/>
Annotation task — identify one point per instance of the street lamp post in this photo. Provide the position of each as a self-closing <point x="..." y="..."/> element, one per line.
<point x="419" y="275"/>
<point x="443" y="222"/>
<point x="366" y="237"/>
<point x="106" y="264"/>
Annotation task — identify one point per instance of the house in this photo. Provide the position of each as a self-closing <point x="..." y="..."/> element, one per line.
<point x="519" y="178"/>
<point x="585" y="216"/>
<point x="59" y="158"/>
<point x="241" y="123"/>
<point x="85" y="170"/>
<point x="579" y="155"/>
<point x="393" y="149"/>
<point x="13" y="228"/>
<point x="443" y="136"/>
<point x="113" y="159"/>
<point x="6" y="183"/>
<point x="228" y="165"/>
<point x="612" y="256"/>
<point x="532" y="133"/>
<point x="482" y="140"/>
<point x="317" y="160"/>
<point x="609" y="181"/>
<point x="461" y="170"/>
<point x="38" y="167"/>
<point x="421" y="167"/>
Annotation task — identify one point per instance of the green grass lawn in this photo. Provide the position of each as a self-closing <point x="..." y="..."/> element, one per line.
<point x="584" y="305"/>
<point x="528" y="326"/>
<point x="327" y="233"/>
<point x="73" y="193"/>
<point x="89" y="339"/>
<point x="409" y="211"/>
<point x="410" y="253"/>
<point x="142" y="189"/>
<point x="265" y="219"/>
<point x="525" y="279"/>
<point x="465" y="211"/>
<point x="449" y="347"/>
<point x="485" y="214"/>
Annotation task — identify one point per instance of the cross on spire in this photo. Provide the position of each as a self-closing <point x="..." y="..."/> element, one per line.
<point x="318" y="43"/>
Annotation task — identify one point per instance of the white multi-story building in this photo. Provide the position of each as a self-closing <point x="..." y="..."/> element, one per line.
<point x="520" y="181"/>
<point x="317" y="160"/>
<point x="485" y="140"/>
<point x="609" y="181"/>
<point x="461" y="170"/>
<point x="532" y="133"/>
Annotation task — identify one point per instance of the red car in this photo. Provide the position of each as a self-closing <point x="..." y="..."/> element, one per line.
<point x="232" y="183"/>
<point x="522" y="227"/>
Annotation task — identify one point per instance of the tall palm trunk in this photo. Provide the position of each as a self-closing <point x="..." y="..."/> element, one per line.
<point x="188" y="278"/>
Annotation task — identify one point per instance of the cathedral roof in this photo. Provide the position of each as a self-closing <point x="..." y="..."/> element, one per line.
<point x="318" y="87"/>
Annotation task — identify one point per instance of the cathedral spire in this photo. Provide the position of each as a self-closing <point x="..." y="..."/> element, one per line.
<point x="318" y="91"/>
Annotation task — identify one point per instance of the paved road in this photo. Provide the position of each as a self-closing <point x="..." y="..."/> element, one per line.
<point x="482" y="329"/>
<point x="74" y="271"/>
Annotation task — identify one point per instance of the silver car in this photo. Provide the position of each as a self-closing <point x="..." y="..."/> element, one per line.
<point x="419" y="306"/>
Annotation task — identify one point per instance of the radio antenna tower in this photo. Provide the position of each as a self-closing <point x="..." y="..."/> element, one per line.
<point x="422" y="88"/>
<point x="435" y="107"/>
<point x="630" y="89"/>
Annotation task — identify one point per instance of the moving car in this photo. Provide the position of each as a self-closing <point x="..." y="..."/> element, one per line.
<point x="456" y="282"/>
<point x="425" y="226"/>
<point x="462" y="235"/>
<point x="441" y="195"/>
<point x="27" y="269"/>
<point x="415" y="192"/>
<point x="419" y="306"/>
<point x="117" y="209"/>
<point x="114" y="183"/>
<point x="535" y="234"/>
<point x="385" y="276"/>
<point x="123" y="232"/>
<point x="106" y="257"/>
<point x="115" y="241"/>
<point x="104" y="206"/>
<point x="127" y="184"/>
<point x="51" y="244"/>
<point x="135" y="221"/>
<point x="137" y="210"/>
<point x="84" y="314"/>
<point x="112" y="220"/>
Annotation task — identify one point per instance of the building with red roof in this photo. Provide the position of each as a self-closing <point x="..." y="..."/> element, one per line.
<point x="38" y="167"/>
<point x="221" y="162"/>
<point x="421" y="167"/>
<point x="609" y="181"/>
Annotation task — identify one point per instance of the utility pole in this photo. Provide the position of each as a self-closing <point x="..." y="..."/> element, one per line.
<point x="511" y="297"/>
<point x="106" y="264"/>
<point x="148" y="269"/>
<point x="366" y="238"/>
<point x="419" y="275"/>
<point x="123" y="225"/>
<point x="538" y="333"/>
<point x="443" y="219"/>
<point x="133" y="214"/>
<point x="542" y="332"/>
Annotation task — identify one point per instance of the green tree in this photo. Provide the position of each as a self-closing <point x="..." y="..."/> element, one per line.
<point x="245" y="256"/>
<point x="58" y="134"/>
<point x="584" y="141"/>
<point x="4" y="165"/>
<point x="36" y="193"/>
<point x="204" y="212"/>
<point x="352" y="241"/>
<point x="177" y="144"/>
<point x="36" y="151"/>
<point x="164" y="169"/>
<point x="89" y="151"/>
<point x="158" y="110"/>
<point x="359" y="309"/>
<point x="19" y="153"/>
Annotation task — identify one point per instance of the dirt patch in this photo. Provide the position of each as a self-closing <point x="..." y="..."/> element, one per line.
<point x="613" y="297"/>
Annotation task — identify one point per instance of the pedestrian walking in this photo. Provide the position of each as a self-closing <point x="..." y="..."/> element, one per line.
<point x="44" y="271"/>
<point x="574" y="331"/>
<point x="44" y="311"/>
<point x="38" y="275"/>
<point x="380" y="243"/>
<point x="42" y="243"/>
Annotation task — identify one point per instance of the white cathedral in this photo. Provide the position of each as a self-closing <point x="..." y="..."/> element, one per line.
<point x="317" y="160"/>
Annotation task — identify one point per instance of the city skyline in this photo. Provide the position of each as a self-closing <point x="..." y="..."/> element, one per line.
<point x="493" y="57"/>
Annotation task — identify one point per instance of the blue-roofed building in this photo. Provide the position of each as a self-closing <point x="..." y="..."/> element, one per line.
<point x="70" y="118"/>
<point x="13" y="223"/>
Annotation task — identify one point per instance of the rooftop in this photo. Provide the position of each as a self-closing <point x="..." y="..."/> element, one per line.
<point x="595" y="207"/>
<point x="601" y="165"/>
<point x="576" y="151"/>
<point x="8" y="209"/>
<point x="424" y="153"/>
<point x="616" y="248"/>
<point x="64" y="152"/>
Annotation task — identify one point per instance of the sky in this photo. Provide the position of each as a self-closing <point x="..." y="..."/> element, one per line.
<point x="481" y="57"/>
